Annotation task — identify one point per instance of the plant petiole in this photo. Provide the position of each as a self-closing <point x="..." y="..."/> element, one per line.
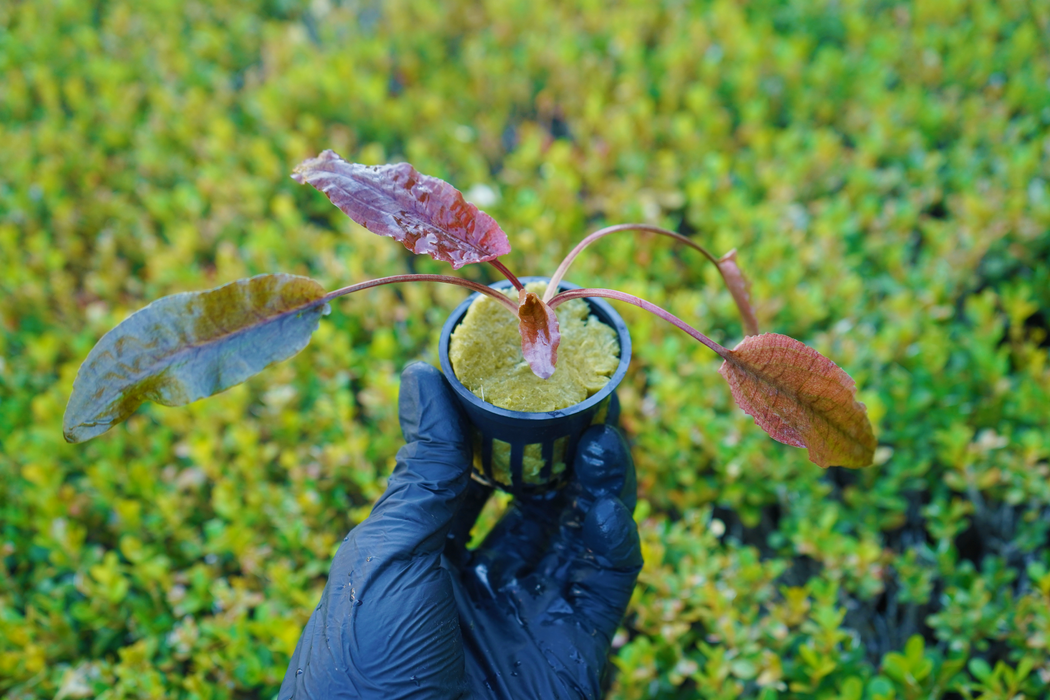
<point x="643" y="304"/>
<point x="507" y="273"/>
<point x="559" y="274"/>
<point x="446" y="279"/>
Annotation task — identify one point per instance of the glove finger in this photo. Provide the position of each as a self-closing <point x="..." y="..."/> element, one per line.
<point x="517" y="541"/>
<point x="603" y="467"/>
<point x="595" y="557"/>
<point x="426" y="488"/>
<point x="571" y="616"/>
<point x="515" y="524"/>
<point x="604" y="574"/>
<point x="477" y="494"/>
<point x="524" y="535"/>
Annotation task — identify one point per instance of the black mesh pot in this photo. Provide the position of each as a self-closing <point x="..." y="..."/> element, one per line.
<point x="504" y="440"/>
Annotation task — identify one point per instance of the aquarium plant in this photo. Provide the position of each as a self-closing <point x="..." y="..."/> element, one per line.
<point x="187" y="346"/>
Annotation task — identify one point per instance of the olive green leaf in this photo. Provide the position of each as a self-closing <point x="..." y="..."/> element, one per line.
<point x="187" y="346"/>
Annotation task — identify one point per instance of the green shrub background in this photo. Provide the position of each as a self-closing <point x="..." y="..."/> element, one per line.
<point x="883" y="168"/>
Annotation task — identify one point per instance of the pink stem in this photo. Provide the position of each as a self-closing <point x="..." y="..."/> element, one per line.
<point x="560" y="272"/>
<point x="641" y="303"/>
<point x="507" y="273"/>
<point x="458" y="281"/>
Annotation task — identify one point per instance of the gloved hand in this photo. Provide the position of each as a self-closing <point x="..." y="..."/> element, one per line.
<point x="408" y="612"/>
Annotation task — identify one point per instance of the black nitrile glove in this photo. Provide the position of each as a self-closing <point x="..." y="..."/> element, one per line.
<point x="408" y="612"/>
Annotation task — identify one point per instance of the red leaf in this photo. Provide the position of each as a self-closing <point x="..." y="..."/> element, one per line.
<point x="538" y="325"/>
<point x="426" y="214"/>
<point x="800" y="398"/>
<point x="740" y="288"/>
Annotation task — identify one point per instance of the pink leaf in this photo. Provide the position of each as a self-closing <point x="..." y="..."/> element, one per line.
<point x="426" y="214"/>
<point x="800" y="398"/>
<point x="740" y="288"/>
<point x="538" y="325"/>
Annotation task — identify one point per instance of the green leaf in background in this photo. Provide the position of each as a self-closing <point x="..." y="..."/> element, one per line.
<point x="881" y="167"/>
<point x="188" y="346"/>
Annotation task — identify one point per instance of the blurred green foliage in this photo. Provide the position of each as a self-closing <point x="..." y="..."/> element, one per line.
<point x="883" y="167"/>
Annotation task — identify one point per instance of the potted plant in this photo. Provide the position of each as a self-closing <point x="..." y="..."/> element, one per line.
<point x="187" y="346"/>
<point x="529" y="448"/>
